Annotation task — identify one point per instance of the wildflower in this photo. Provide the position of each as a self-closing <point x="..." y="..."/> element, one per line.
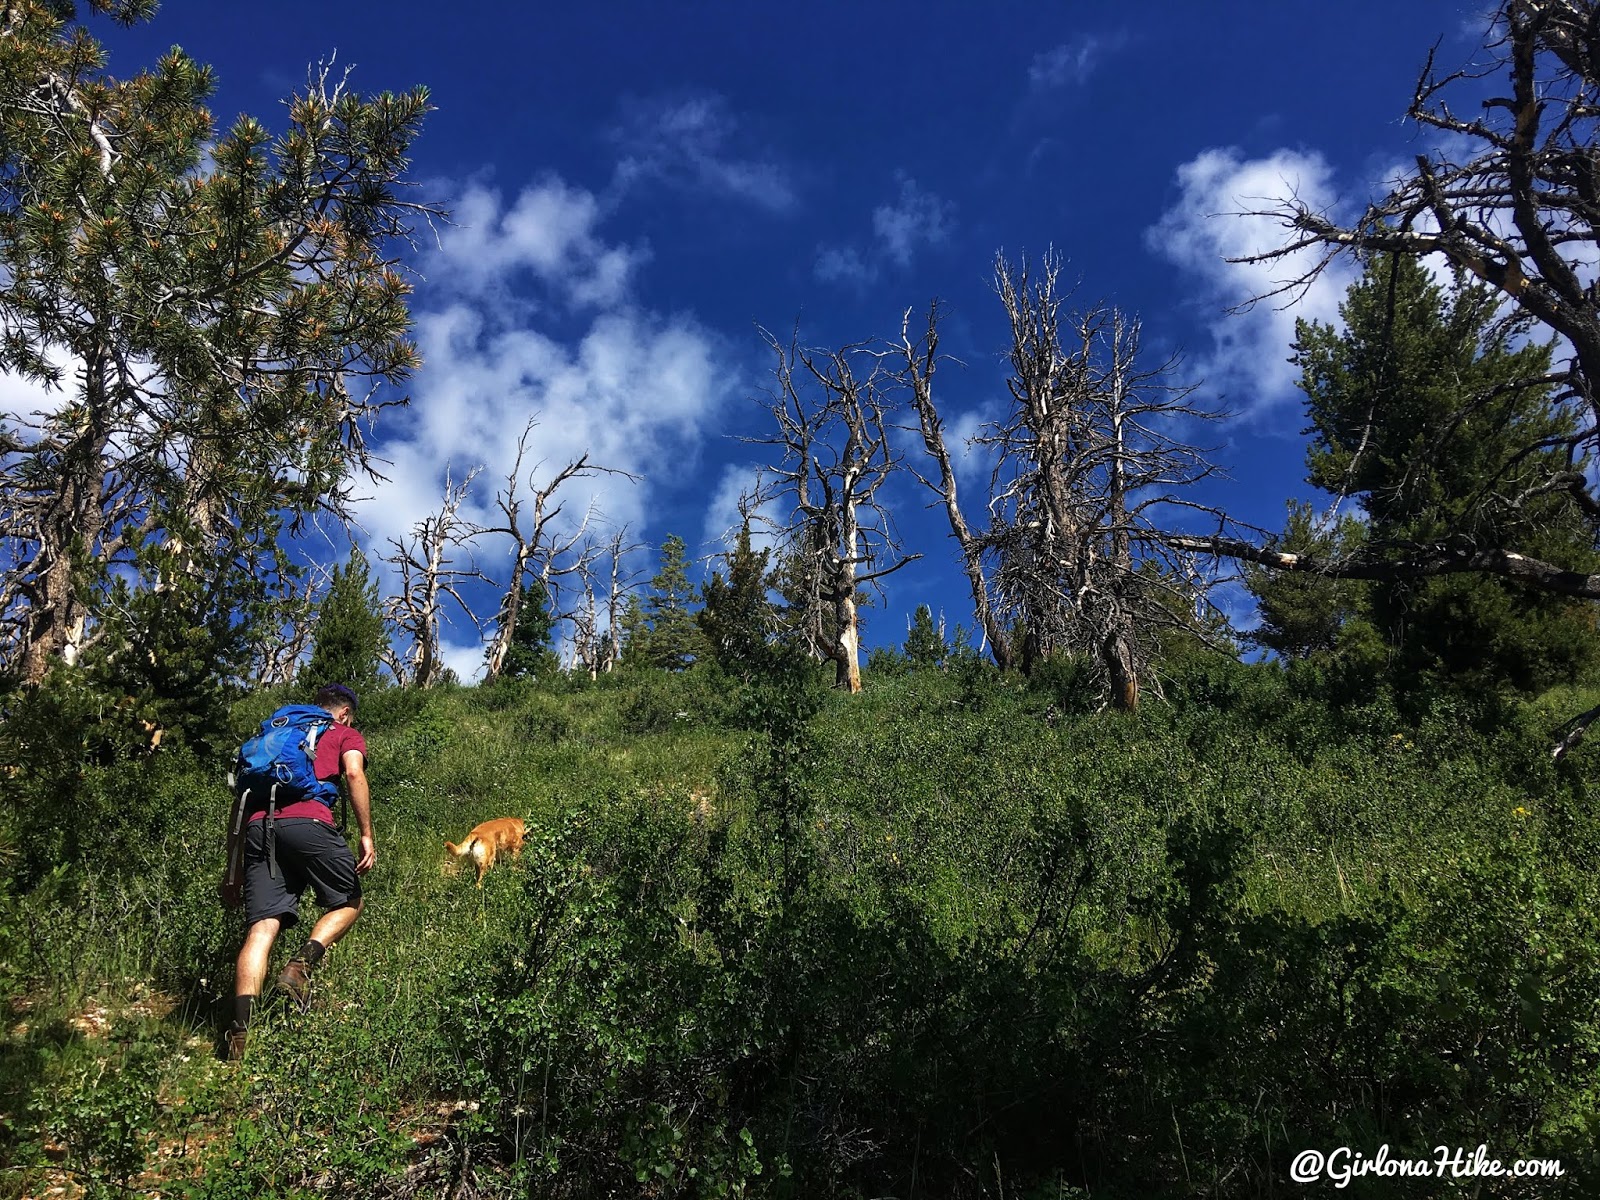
<point x="1519" y="811"/>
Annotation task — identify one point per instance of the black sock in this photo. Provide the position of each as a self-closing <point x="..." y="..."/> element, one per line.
<point x="241" y="1011"/>
<point x="312" y="952"/>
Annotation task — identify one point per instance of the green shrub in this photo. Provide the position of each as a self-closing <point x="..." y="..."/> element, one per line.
<point x="960" y="930"/>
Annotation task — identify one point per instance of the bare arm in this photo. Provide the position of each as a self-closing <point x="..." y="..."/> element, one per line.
<point x="354" y="765"/>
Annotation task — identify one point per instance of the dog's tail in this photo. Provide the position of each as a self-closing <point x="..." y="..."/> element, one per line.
<point x="473" y="846"/>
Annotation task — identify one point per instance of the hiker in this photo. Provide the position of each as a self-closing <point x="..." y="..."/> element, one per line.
<point x="294" y="846"/>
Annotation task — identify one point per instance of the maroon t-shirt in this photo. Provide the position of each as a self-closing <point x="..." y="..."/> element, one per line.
<point x="331" y="747"/>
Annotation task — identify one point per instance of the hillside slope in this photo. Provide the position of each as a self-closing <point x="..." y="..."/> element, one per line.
<point x="952" y="937"/>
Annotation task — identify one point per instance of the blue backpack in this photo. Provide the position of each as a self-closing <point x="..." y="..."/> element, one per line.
<point x="278" y="766"/>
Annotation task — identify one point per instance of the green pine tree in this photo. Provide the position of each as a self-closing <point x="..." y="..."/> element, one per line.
<point x="347" y="646"/>
<point x="925" y="645"/>
<point x="737" y="619"/>
<point x="674" y="640"/>
<point x="635" y="632"/>
<point x="529" y="655"/>
<point x="1303" y="615"/>
<point x="1421" y="407"/>
<point x="229" y="299"/>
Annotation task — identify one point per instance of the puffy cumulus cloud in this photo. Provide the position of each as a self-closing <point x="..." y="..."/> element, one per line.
<point x="1248" y="361"/>
<point x="694" y="143"/>
<point x="634" y="392"/>
<point x="547" y="234"/>
<point x="633" y="389"/>
<point x="1071" y="63"/>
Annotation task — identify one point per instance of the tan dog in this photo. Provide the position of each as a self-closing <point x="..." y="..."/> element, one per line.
<point x="488" y="839"/>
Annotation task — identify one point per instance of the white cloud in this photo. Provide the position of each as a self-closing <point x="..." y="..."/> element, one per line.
<point x="914" y="217"/>
<point x="692" y="143"/>
<point x="1248" y="362"/>
<point x="634" y="389"/>
<point x="1071" y="63"/>
<point x="900" y="227"/>
<point x="723" y="519"/>
<point x="464" y="658"/>
<point x="632" y="392"/>
<point x="549" y="232"/>
<point x="843" y="264"/>
<point x="973" y="464"/>
<point x="25" y="402"/>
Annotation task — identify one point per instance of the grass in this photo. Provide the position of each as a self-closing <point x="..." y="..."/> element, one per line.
<point x="991" y="925"/>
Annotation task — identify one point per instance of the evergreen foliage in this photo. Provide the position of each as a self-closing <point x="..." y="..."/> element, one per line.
<point x="231" y="302"/>
<point x="662" y="631"/>
<point x="1304" y="615"/>
<point x="1422" y="408"/>
<point x="350" y="633"/>
<point x="530" y="655"/>
<point x="925" y="645"/>
<point x="736" y="618"/>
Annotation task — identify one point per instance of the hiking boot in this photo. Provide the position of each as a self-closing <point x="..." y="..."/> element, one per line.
<point x="294" y="981"/>
<point x="233" y="1043"/>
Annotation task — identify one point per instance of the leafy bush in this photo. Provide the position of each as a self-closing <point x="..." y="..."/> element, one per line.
<point x="950" y="933"/>
<point x="661" y="701"/>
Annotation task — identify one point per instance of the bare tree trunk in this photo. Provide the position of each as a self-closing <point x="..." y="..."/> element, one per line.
<point x="835" y="456"/>
<point x="535" y="545"/>
<point x="428" y="575"/>
<point x="920" y="361"/>
<point x="616" y="598"/>
<point x="1121" y="653"/>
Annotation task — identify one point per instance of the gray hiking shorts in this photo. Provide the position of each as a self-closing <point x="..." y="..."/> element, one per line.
<point x="310" y="854"/>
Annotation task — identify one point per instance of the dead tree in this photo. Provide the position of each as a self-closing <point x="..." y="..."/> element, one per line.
<point x="276" y="652"/>
<point x="428" y="576"/>
<point x="596" y="618"/>
<point x="621" y="584"/>
<point x="917" y="361"/>
<point x="835" y="455"/>
<point x="1086" y="456"/>
<point x="1509" y="196"/>
<point x="536" y="545"/>
<point x="586" y="633"/>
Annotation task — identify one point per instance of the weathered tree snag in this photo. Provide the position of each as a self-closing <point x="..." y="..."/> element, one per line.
<point x="919" y="360"/>
<point x="536" y="544"/>
<point x="1084" y="459"/>
<point x="835" y="455"/>
<point x="428" y="575"/>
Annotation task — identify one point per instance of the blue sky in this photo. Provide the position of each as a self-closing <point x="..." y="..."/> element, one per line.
<point x="637" y="187"/>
